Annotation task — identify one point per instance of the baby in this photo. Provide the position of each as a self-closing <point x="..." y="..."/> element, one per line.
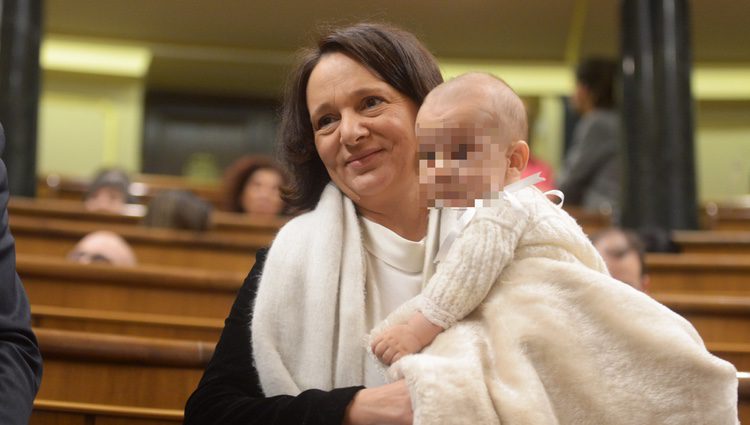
<point x="471" y="133"/>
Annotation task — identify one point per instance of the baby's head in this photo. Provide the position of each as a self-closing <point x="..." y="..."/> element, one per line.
<point x="471" y="133"/>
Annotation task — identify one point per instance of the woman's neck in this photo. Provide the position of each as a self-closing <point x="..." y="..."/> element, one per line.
<point x="402" y="214"/>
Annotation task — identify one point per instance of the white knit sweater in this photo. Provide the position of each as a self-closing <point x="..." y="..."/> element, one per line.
<point x="483" y="250"/>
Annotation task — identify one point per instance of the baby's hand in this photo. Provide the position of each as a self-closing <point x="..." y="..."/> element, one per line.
<point x="396" y="342"/>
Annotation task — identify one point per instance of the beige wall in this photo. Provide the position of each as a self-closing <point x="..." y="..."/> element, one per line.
<point x="722" y="149"/>
<point x="87" y="122"/>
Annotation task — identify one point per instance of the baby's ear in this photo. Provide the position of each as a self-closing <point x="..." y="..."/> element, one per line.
<point x="518" y="156"/>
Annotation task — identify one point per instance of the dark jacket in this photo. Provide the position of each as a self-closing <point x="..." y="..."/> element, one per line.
<point x="20" y="361"/>
<point x="591" y="174"/>
<point x="230" y="392"/>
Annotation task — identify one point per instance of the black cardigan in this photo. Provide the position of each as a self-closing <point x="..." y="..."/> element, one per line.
<point x="230" y="392"/>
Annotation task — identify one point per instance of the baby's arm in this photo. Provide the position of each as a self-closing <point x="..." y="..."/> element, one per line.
<point x="473" y="264"/>
<point x="460" y="284"/>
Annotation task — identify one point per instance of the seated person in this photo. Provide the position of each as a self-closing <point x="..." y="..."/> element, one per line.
<point x="520" y="316"/>
<point x="108" y="192"/>
<point x="178" y="209"/>
<point x="253" y="186"/>
<point x="103" y="247"/>
<point x="625" y="256"/>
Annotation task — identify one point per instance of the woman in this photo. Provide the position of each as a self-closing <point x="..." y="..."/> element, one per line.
<point x="348" y="118"/>
<point x="591" y="173"/>
<point x="253" y="186"/>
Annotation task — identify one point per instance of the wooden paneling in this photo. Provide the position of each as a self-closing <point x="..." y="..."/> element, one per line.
<point x="53" y="237"/>
<point x="143" y="289"/>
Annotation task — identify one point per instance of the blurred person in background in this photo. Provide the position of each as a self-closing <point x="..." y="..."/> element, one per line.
<point x="252" y="185"/>
<point x="624" y="253"/>
<point x="178" y="209"/>
<point x="108" y="192"/>
<point x="591" y="171"/>
<point x="103" y="247"/>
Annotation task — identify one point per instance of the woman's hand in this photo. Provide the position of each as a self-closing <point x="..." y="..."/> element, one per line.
<point x="387" y="405"/>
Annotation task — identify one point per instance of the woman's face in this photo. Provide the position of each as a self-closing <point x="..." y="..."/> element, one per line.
<point x="364" y="129"/>
<point x="261" y="194"/>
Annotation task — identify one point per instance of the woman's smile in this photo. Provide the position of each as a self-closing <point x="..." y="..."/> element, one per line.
<point x="363" y="160"/>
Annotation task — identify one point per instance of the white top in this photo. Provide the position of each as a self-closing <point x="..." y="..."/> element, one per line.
<point x="395" y="274"/>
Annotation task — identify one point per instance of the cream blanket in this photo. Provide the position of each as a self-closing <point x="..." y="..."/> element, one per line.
<point x="558" y="341"/>
<point x="555" y="342"/>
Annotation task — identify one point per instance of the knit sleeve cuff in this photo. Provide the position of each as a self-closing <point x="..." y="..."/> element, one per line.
<point x="435" y="314"/>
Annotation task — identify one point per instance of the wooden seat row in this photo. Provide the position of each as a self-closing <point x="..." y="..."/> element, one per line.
<point x="61" y="209"/>
<point x="53" y="237"/>
<point x="699" y="273"/>
<point x="705" y="242"/>
<point x="144" y="289"/>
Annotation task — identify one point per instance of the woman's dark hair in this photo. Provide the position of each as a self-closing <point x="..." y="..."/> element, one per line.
<point x="392" y="54"/>
<point x="237" y="175"/>
<point x="178" y="209"/>
<point x="598" y="76"/>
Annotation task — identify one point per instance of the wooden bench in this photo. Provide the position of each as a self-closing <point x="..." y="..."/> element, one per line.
<point x="707" y="242"/>
<point x="699" y="273"/>
<point x="61" y="209"/>
<point x="123" y="323"/>
<point x="120" y="370"/>
<point x="54" y="412"/>
<point x="717" y="318"/>
<point x="55" y="237"/>
<point x="144" y="289"/>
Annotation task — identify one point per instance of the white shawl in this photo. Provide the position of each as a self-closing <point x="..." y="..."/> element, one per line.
<point x="309" y="318"/>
